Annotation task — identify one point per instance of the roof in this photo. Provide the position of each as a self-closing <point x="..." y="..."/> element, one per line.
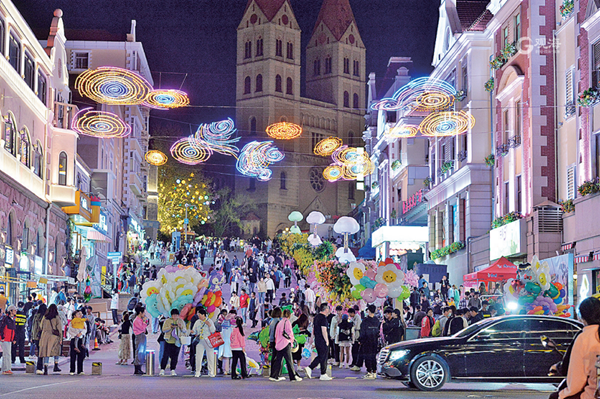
<point x="502" y="269"/>
<point x="481" y="23"/>
<point x="469" y="11"/>
<point x="95" y="35"/>
<point x="251" y="216"/>
<point x="268" y="7"/>
<point x="337" y="16"/>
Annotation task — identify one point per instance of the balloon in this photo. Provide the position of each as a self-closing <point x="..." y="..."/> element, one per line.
<point x="368" y="295"/>
<point x="539" y="312"/>
<point x="553" y="292"/>
<point x="366" y="281"/>
<point x="210" y="309"/>
<point x="389" y="261"/>
<point x="185" y="310"/>
<point x="533" y="288"/>
<point x="198" y="296"/>
<point x="151" y="305"/>
<point x="355" y="294"/>
<point x="370" y="274"/>
<point x="379" y="302"/>
<point x="526" y="299"/>
<point x="381" y="290"/>
<point x="218" y="301"/>
<point x="405" y="293"/>
<point x="359" y="288"/>
<point x="381" y="263"/>
<point x="558" y="286"/>
<point x="395" y="291"/>
<point x="562" y="293"/>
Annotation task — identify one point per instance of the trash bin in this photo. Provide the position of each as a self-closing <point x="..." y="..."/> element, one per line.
<point x="150" y="354"/>
<point x="29" y="367"/>
<point x="97" y="368"/>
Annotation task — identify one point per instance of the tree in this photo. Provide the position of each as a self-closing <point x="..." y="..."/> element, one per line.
<point x="230" y="210"/>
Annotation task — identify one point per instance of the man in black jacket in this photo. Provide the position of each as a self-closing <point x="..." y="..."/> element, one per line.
<point x="392" y="329"/>
<point x="20" y="320"/>
<point x="369" y="334"/>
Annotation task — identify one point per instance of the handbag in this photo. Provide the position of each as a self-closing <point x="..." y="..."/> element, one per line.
<point x="295" y="346"/>
<point x="215" y="339"/>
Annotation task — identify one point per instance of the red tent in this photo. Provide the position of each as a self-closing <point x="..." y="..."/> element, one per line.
<point x="500" y="270"/>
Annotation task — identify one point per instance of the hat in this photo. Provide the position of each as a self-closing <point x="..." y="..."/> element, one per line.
<point x="10" y="308"/>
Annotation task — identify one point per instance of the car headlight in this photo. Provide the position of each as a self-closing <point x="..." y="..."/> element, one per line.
<point x="395" y="355"/>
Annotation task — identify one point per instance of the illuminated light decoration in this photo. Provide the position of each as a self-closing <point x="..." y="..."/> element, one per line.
<point x="189" y="151"/>
<point x="402" y="131"/>
<point x="112" y="85"/>
<point x="156" y="158"/>
<point x="327" y="146"/>
<point x="100" y="124"/>
<point x="165" y="99"/>
<point x="420" y="94"/>
<point x="284" y="131"/>
<point x="350" y="162"/>
<point x="442" y="124"/>
<point x="333" y="173"/>
<point x="255" y="158"/>
<point x="217" y="136"/>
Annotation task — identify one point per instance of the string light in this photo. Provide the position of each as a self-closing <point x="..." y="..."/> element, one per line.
<point x="424" y="93"/>
<point x="442" y="124"/>
<point x="217" y="136"/>
<point x="156" y="158"/>
<point x="402" y="131"/>
<point x="189" y="151"/>
<point x="433" y="101"/>
<point x="255" y="158"/>
<point x="112" y="85"/>
<point x="348" y="163"/>
<point x="165" y="99"/>
<point x="333" y="173"/>
<point x="100" y="124"/>
<point x="284" y="130"/>
<point x="327" y="146"/>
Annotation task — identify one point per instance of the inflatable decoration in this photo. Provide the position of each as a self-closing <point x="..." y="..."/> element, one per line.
<point x="295" y="217"/>
<point x="315" y="218"/>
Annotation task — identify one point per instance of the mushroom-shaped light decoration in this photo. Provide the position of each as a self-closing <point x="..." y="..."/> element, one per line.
<point x="295" y="217"/>
<point x="345" y="225"/>
<point x="315" y="218"/>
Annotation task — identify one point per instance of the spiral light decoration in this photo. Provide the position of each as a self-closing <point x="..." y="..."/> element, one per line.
<point x="217" y="136"/>
<point x="156" y="158"/>
<point x="189" y="151"/>
<point x="442" y="124"/>
<point x="284" y="130"/>
<point x="421" y="94"/>
<point x="348" y="164"/>
<point x="433" y="101"/>
<point x="333" y="173"/>
<point x="402" y="131"/>
<point x="112" y="85"/>
<point x="165" y="99"/>
<point x="255" y="158"/>
<point x="100" y="124"/>
<point x="327" y="146"/>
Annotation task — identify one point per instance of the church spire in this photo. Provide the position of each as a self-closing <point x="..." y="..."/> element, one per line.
<point x="268" y="7"/>
<point x="337" y="16"/>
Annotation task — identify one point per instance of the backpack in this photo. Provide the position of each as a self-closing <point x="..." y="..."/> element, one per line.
<point x="131" y="304"/>
<point x="436" y="331"/>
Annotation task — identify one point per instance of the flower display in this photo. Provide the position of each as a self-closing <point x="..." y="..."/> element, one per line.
<point x="390" y="275"/>
<point x="355" y="271"/>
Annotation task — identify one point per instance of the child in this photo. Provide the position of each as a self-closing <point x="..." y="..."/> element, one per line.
<point x="78" y="329"/>
<point x="345" y="340"/>
<point x="125" y="336"/>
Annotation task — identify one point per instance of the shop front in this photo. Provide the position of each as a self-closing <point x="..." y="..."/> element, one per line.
<point x="396" y="241"/>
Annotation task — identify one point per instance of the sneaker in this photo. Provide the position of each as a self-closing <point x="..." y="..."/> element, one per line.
<point x="308" y="372"/>
<point x="39" y="372"/>
<point x="72" y="373"/>
<point x="325" y="377"/>
<point x="173" y="372"/>
<point x="7" y="372"/>
<point x="197" y="374"/>
<point x="281" y="379"/>
<point x="355" y="368"/>
<point x="18" y="361"/>
<point x="162" y="372"/>
<point x="298" y="378"/>
<point x="273" y="379"/>
<point x="82" y="373"/>
<point x="369" y="376"/>
<point x="336" y="363"/>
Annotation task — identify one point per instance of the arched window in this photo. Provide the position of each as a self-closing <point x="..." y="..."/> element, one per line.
<point x="25" y="148"/>
<point x="317" y="67"/>
<point x="278" y="84"/>
<point x="9" y="230"/>
<point x="248" y="50"/>
<point x="38" y="158"/>
<point x="25" y="238"/>
<point x="259" y="47"/>
<point x="355" y="101"/>
<point x="38" y="244"/>
<point x="282" y="181"/>
<point x="346" y="99"/>
<point x="2" y="28"/>
<point x="247" y="84"/>
<point x="253" y="125"/>
<point x="258" y="82"/>
<point x="62" y="169"/>
<point x="29" y="73"/>
<point x="289" y="86"/>
<point x="10" y="134"/>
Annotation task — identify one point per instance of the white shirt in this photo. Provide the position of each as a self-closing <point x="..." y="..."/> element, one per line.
<point x="114" y="301"/>
<point x="270" y="284"/>
<point x="310" y="295"/>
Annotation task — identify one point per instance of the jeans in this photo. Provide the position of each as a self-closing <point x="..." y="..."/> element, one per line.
<point x="355" y="355"/>
<point x="171" y="352"/>
<point x="369" y="352"/>
<point x="239" y="354"/>
<point x="161" y="351"/>
<point x="244" y="313"/>
<point x="251" y="287"/>
<point x="77" y="357"/>
<point x="269" y="296"/>
<point x="285" y="353"/>
<point x="321" y="359"/>
<point x="273" y="358"/>
<point x="34" y="344"/>
<point x="6" y="354"/>
<point x="261" y="297"/>
<point x="115" y="315"/>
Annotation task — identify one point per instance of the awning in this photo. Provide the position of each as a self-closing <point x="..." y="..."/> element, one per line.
<point x="500" y="270"/>
<point x="95" y="235"/>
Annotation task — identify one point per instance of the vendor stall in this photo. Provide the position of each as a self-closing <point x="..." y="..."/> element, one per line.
<point x="500" y="270"/>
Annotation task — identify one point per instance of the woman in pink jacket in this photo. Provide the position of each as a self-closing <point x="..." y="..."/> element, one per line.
<point x="284" y="337"/>
<point x="238" y="349"/>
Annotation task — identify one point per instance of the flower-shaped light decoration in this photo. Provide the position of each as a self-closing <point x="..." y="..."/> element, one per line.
<point x="402" y="131"/>
<point x="422" y="94"/>
<point x="217" y="136"/>
<point x="442" y="124"/>
<point x="156" y="158"/>
<point x="112" y="85"/>
<point x="189" y="151"/>
<point x="255" y="158"/>
<point x="165" y="99"/>
<point x="284" y="130"/>
<point x="327" y="146"/>
<point x="542" y="273"/>
<point x="390" y="275"/>
<point x="100" y="124"/>
<point x="355" y="271"/>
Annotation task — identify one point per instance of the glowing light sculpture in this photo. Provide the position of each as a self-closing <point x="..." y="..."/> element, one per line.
<point x="402" y="131"/>
<point x="327" y="146"/>
<point x="100" y="124"/>
<point x="156" y="158"/>
<point x="112" y="85"/>
<point x="165" y="99"/>
<point x="255" y="158"/>
<point x="420" y="94"/>
<point x="284" y="130"/>
<point x="333" y="173"/>
<point x="442" y="124"/>
<point x="189" y="151"/>
<point x="217" y="136"/>
<point x="348" y="164"/>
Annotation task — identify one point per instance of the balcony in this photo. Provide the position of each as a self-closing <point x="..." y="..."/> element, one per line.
<point x="135" y="184"/>
<point x="514" y="141"/>
<point x="63" y="115"/>
<point x="63" y="195"/>
<point x="502" y="150"/>
<point x="462" y="155"/>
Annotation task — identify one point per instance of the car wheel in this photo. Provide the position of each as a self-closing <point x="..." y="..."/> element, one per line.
<point x="429" y="373"/>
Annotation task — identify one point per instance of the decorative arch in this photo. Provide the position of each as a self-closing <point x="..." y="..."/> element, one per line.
<point x="25" y="147"/>
<point x="509" y="75"/>
<point x="10" y="134"/>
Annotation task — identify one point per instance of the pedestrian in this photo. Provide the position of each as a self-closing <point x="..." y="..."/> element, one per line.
<point x="202" y="329"/>
<point x="140" y="326"/>
<point x="77" y="344"/>
<point x="224" y="354"/>
<point x="234" y="301"/>
<point x="270" y="285"/>
<point x="238" y="349"/>
<point x="427" y="324"/>
<point x="369" y="334"/>
<point x="19" y="346"/>
<point x="344" y="338"/>
<point x="7" y="338"/>
<point x="174" y="329"/>
<point x="476" y="315"/>
<point x="125" y="337"/>
<point x="356" y="320"/>
<point x="302" y="324"/>
<point x="284" y="337"/>
<point x="253" y="309"/>
<point x="261" y="287"/>
<point x="114" y="306"/>
<point x="392" y="329"/>
<point x="275" y="318"/>
<point x="36" y="330"/>
<point x="310" y="298"/>
<point x="445" y="287"/>
<point x="50" y="340"/>
<point x="321" y="341"/>
<point x="333" y="325"/>
<point x="244" y="299"/>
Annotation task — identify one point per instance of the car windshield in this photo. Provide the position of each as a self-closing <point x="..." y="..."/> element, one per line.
<point x="469" y="330"/>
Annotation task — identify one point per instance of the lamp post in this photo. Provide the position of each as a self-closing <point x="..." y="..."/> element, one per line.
<point x="185" y="223"/>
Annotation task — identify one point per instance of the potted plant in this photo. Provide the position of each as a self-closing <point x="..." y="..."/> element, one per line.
<point x="490" y="160"/>
<point x="489" y="85"/>
<point x="567" y="8"/>
<point x="588" y="98"/>
<point x="374" y="185"/>
<point x="567" y="206"/>
<point x="447" y="166"/>
<point x="589" y="187"/>
<point x="508" y="218"/>
<point x="396" y="164"/>
<point x="427" y="181"/>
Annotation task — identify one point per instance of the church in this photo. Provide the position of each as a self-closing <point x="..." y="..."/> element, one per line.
<point x="268" y="91"/>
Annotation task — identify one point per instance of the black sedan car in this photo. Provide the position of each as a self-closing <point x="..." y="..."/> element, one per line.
<point x="497" y="349"/>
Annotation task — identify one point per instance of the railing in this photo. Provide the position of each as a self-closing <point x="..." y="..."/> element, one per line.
<point x="569" y="109"/>
<point x="462" y="155"/>
<point x="514" y="141"/>
<point x="63" y="115"/>
<point x="502" y="150"/>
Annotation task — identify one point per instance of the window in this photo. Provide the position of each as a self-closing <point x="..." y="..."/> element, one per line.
<point x="596" y="65"/>
<point x="517" y="27"/>
<point x="247" y="84"/>
<point x="569" y="92"/>
<point x="351" y="191"/>
<point x="248" y="50"/>
<point x="9" y="231"/>
<point x="278" y="84"/>
<point x="346" y="99"/>
<point x="356" y="68"/>
<point x="25" y="148"/>
<point x="355" y="101"/>
<point x="38" y="244"/>
<point x="251" y="184"/>
<point x="518" y="122"/>
<point x="25" y="240"/>
<point x="505" y="36"/>
<point x="282" y="181"/>
<point x="506" y="198"/>
<point x="518" y="194"/>
<point x="316" y="137"/>
<point x="347" y="65"/>
<point x="62" y="169"/>
<point x="571" y="183"/>
<point x="317" y="67"/>
<point x="317" y="181"/>
<point x="259" y="81"/>
<point x="451" y="79"/>
<point x="253" y="125"/>
<point x="290" y="51"/>
<point x="289" y="86"/>
<point x="38" y="158"/>
<point x="10" y="135"/>
<point x="2" y="36"/>
<point x="508" y="329"/>
<point x="42" y="87"/>
<point x="82" y="60"/>
<point x="259" y="47"/>
<point x="550" y="328"/>
<point x="505" y="127"/>
<point x="14" y="53"/>
<point x="465" y="78"/>
<point x="327" y="65"/>
<point x="278" y="48"/>
<point x="29" y="74"/>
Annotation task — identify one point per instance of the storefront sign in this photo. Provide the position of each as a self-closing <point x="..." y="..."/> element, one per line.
<point x="115" y="257"/>
<point x="413" y="201"/>
<point x="38" y="266"/>
<point x="9" y="259"/>
<point x="403" y="234"/>
<point x="508" y="240"/>
<point x="24" y="262"/>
